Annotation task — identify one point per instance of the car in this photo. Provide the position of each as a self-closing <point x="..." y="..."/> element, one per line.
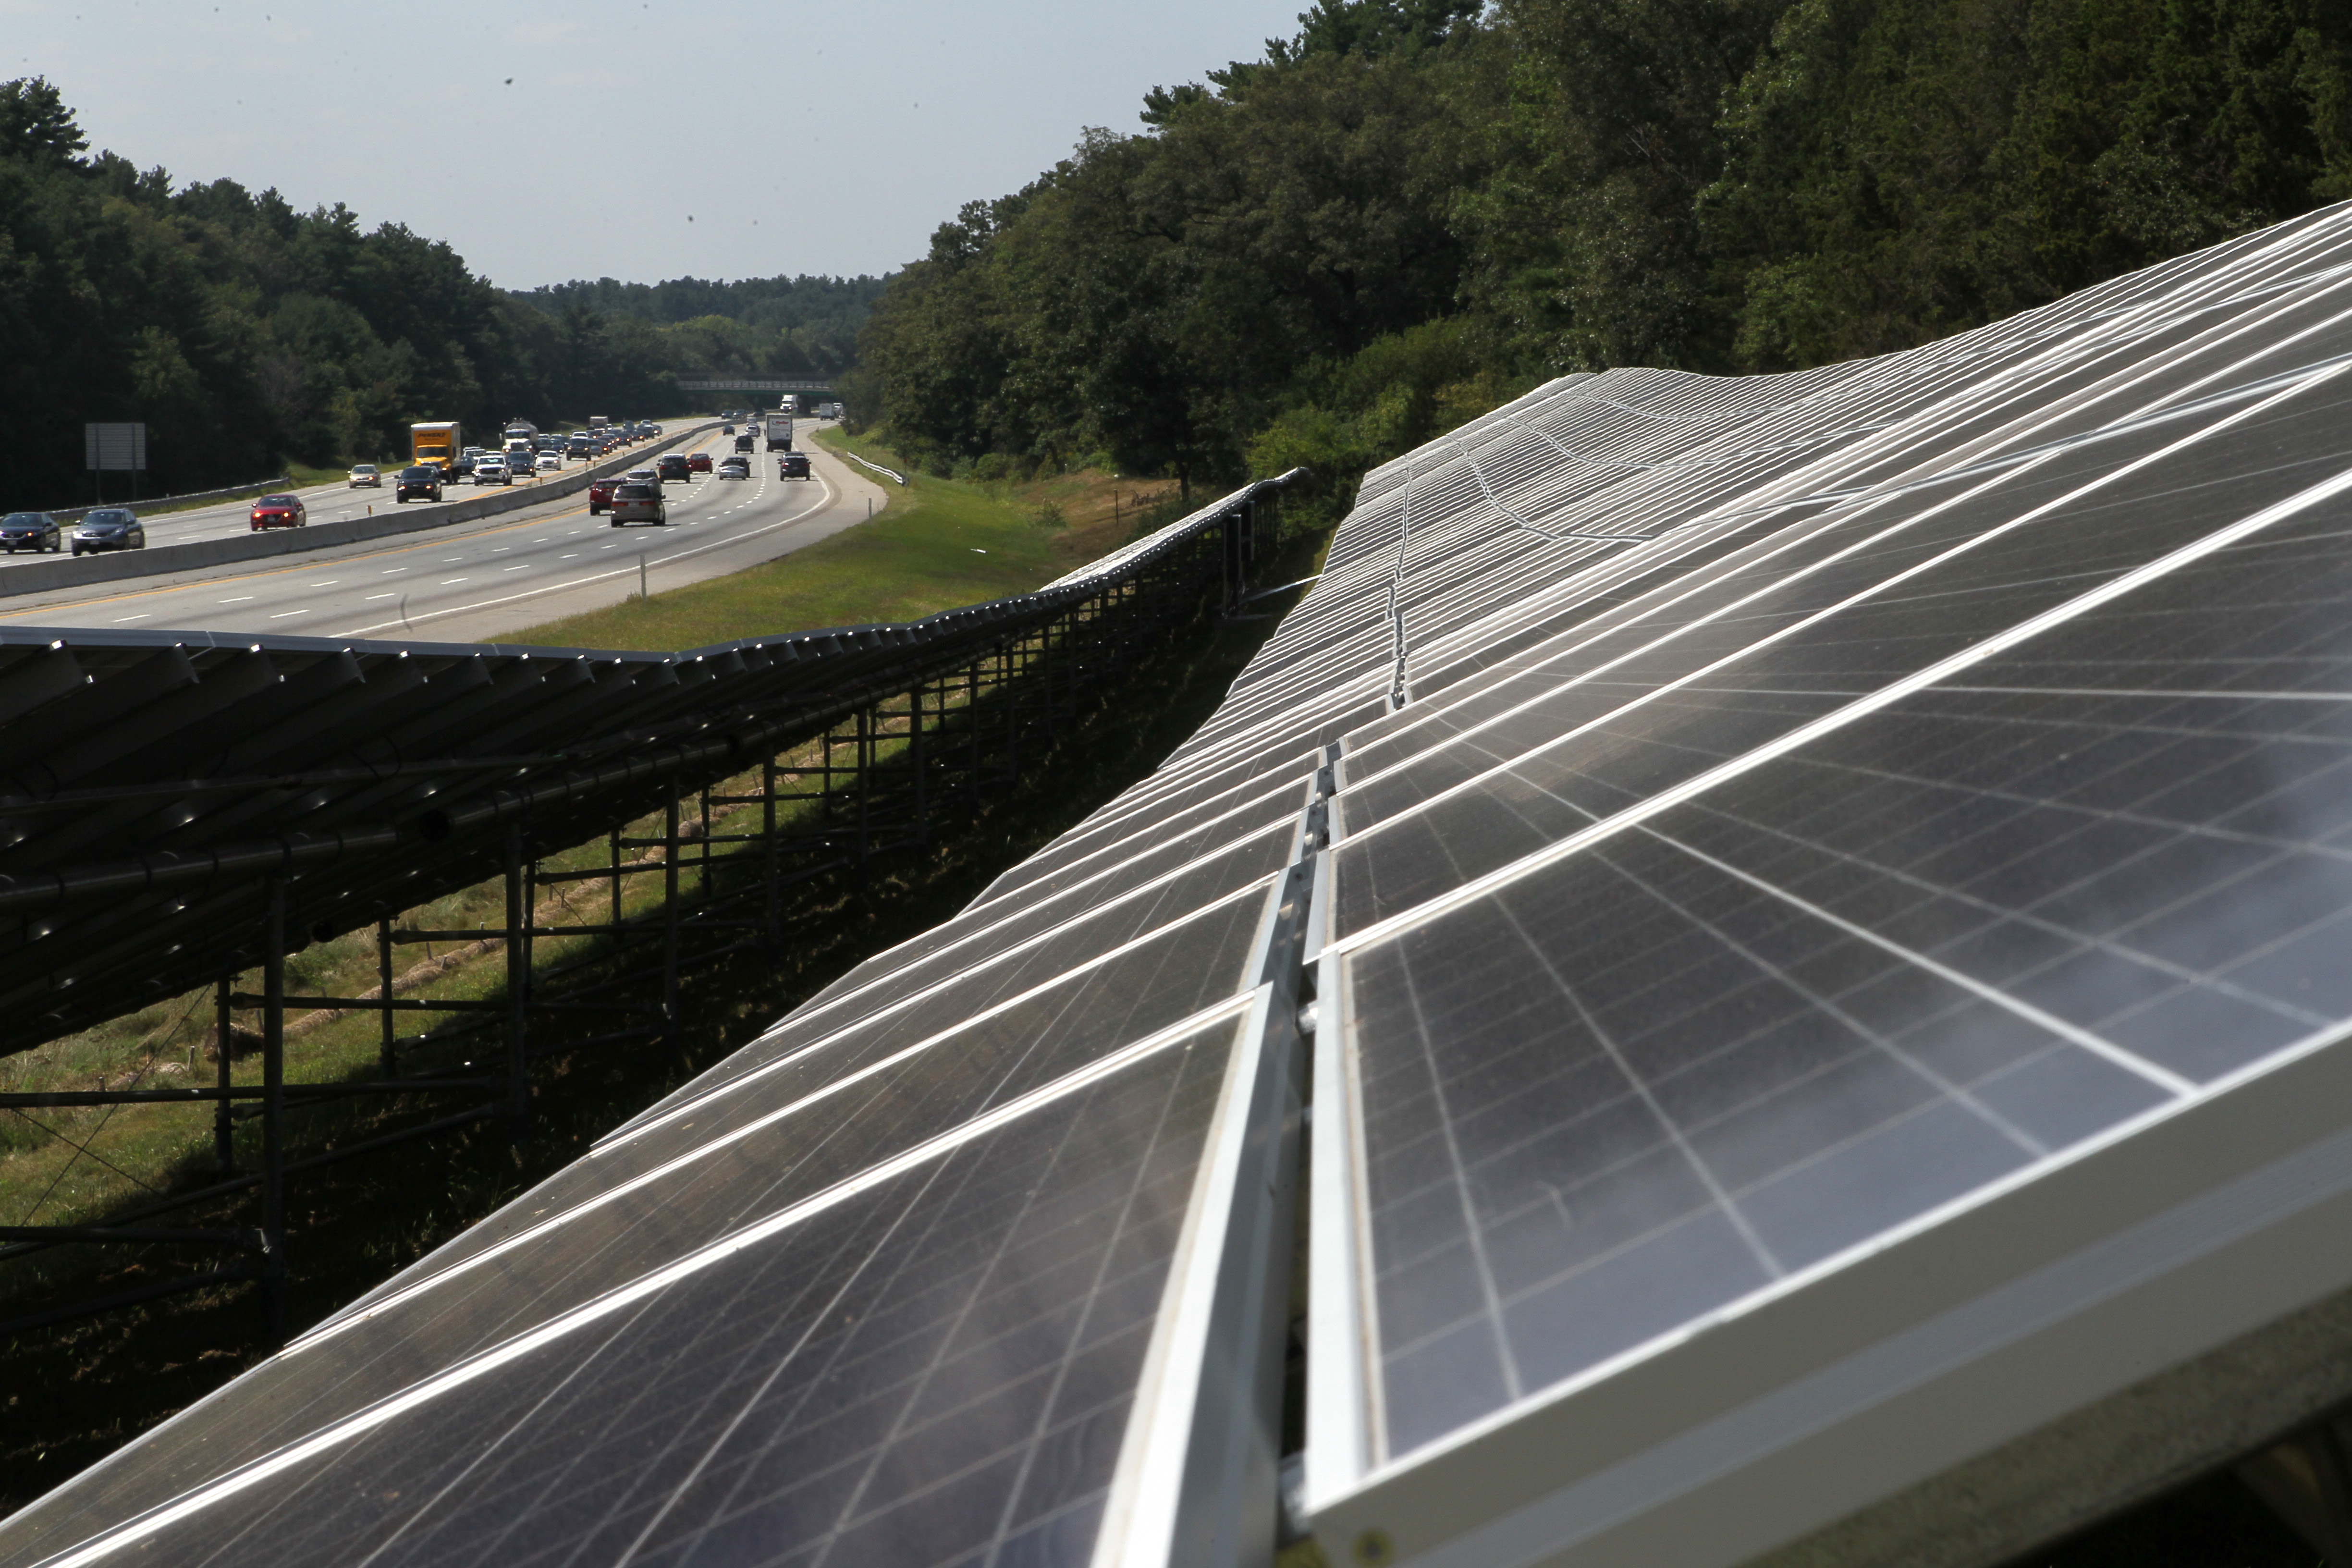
<point x="578" y="445"/>
<point x="656" y="431"/>
<point x="34" y="531"/>
<point x="599" y="494"/>
<point x="743" y="443"/>
<point x="490" y="469"/>
<point x="423" y="479"/>
<point x="727" y="428"/>
<point x="793" y="466"/>
<point x="638" y="503"/>
<point x="698" y="462"/>
<point x="735" y="467"/>
<point x="464" y="466"/>
<point x="278" y="511"/>
<point x="676" y="466"/>
<point x="110" y="528"/>
<point x="366" y="474"/>
<point x="549" y="463"/>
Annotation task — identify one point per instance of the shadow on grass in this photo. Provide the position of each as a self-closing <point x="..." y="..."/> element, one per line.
<point x="75" y="1391"/>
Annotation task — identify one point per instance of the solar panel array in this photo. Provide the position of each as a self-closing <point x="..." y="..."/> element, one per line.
<point x="1825" y="903"/>
<point x="149" y="781"/>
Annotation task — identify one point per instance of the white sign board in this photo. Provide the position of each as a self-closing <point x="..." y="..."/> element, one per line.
<point x="114" y="448"/>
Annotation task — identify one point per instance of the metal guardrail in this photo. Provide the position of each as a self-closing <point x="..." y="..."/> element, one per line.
<point x="231" y="493"/>
<point x="877" y="468"/>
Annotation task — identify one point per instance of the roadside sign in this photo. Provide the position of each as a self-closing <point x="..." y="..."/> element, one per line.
<point x="114" y="448"/>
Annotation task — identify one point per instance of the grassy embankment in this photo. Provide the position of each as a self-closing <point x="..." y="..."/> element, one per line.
<point x="73" y="1392"/>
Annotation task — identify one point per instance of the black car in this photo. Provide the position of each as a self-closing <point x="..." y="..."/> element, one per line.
<point x="743" y="443"/>
<point x="793" y="466"/>
<point x="423" y="479"/>
<point x="33" y="530"/>
<point x="110" y="528"/>
<point x="673" y="466"/>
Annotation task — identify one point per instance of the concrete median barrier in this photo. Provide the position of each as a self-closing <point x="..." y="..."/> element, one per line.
<point x="79" y="572"/>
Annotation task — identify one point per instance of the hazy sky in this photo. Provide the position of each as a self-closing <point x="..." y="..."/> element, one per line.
<point x="799" y="137"/>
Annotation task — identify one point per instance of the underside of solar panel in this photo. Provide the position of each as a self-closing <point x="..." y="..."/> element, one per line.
<point x="1795" y="934"/>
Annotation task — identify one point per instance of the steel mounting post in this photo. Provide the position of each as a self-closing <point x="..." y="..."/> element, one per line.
<point x="224" y="1125"/>
<point x="519" y="924"/>
<point x="670" y="934"/>
<point x="384" y="1051"/>
<point x="273" y="1116"/>
<point x="768" y="855"/>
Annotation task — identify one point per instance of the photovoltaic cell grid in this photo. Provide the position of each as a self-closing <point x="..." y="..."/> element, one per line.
<point x="935" y="1364"/>
<point x="1766" y="810"/>
<point x="1963" y="790"/>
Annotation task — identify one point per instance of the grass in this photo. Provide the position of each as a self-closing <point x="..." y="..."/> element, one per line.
<point x="75" y="1390"/>
<point x="938" y="544"/>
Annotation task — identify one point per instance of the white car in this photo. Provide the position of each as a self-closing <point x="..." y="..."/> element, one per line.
<point x="734" y="469"/>
<point x="366" y="474"/>
<point x="490" y="469"/>
<point x="549" y="463"/>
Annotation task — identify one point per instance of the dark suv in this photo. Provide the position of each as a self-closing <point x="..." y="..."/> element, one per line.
<point x="792" y="466"/>
<point x="638" y="503"/>
<point x="425" y="480"/>
<point x="673" y="466"/>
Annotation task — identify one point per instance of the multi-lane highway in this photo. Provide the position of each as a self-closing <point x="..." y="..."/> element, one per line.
<point x="477" y="582"/>
<point x="331" y="502"/>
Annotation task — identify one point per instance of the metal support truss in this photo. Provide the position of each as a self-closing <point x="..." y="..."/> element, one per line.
<point x="860" y="780"/>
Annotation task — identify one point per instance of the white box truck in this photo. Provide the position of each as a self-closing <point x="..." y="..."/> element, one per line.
<point x="779" y="432"/>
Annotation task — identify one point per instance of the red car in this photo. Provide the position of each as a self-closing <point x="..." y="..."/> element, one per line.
<point x="699" y="461"/>
<point x="278" y="511"/>
<point x="600" y="495"/>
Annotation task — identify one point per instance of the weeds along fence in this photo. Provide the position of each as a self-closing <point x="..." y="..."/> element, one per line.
<point x="179" y="809"/>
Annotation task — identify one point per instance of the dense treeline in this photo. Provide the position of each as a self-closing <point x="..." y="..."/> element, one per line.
<point x="245" y="333"/>
<point x="770" y="326"/>
<point x="1414" y="208"/>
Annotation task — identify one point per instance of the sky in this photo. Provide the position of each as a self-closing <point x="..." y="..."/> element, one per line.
<point x="631" y="139"/>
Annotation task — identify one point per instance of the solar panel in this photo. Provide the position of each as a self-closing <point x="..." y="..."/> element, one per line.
<point x="1966" y="835"/>
<point x="936" y="1357"/>
<point x="1825" y="902"/>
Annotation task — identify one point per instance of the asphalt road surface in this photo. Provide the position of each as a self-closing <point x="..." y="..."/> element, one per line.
<point x="331" y="502"/>
<point x="476" y="582"/>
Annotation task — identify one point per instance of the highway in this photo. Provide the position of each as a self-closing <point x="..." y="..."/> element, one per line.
<point x="330" y="503"/>
<point x="481" y="581"/>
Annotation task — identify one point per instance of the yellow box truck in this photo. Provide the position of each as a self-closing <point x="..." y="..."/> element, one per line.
<point x="437" y="442"/>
